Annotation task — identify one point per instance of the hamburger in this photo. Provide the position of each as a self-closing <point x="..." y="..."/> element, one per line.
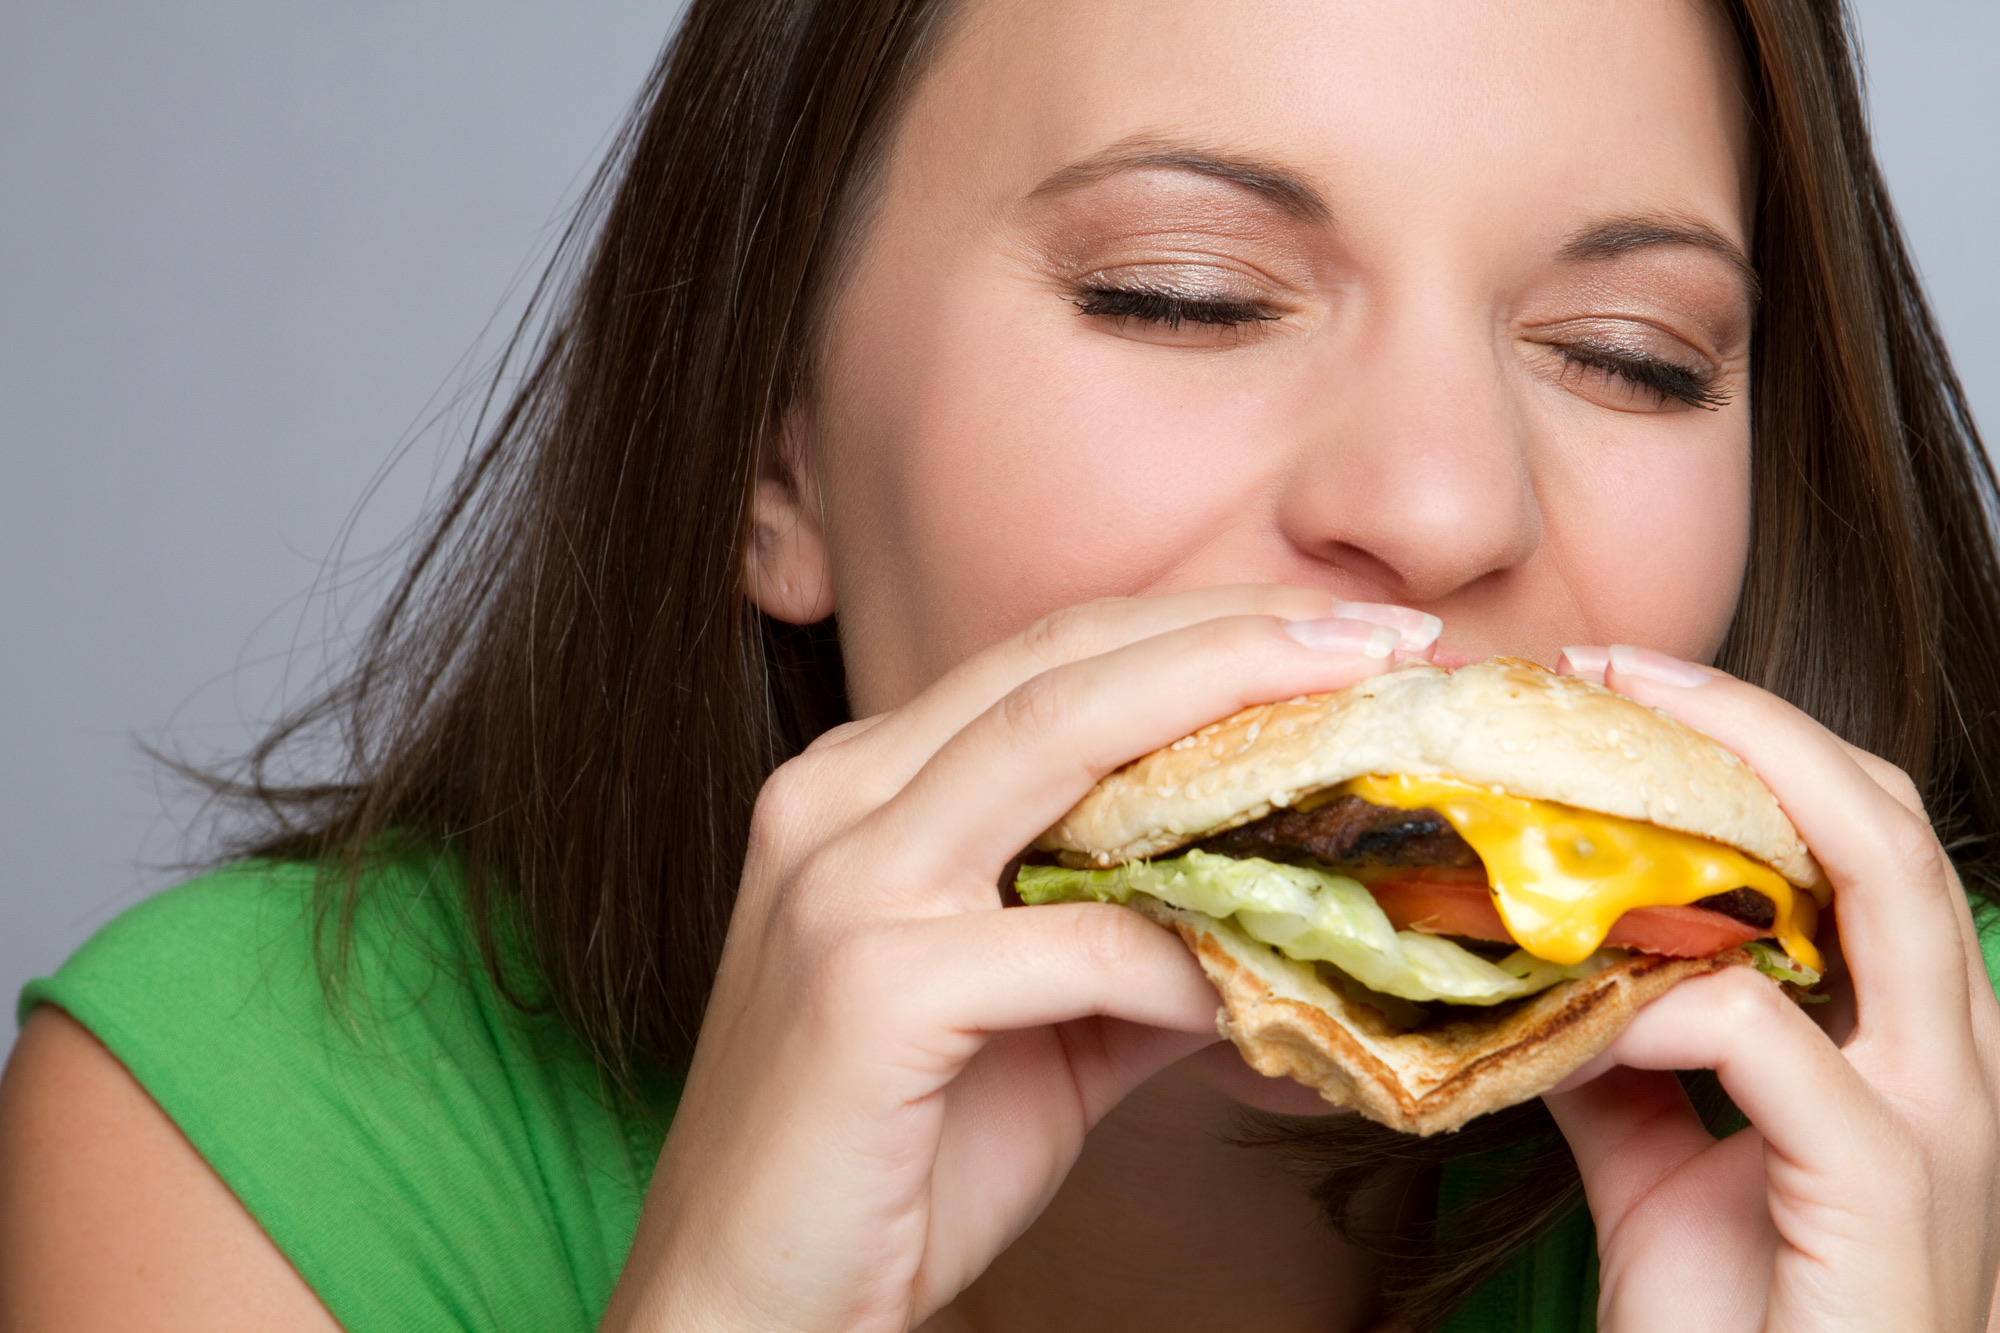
<point x="1438" y="893"/>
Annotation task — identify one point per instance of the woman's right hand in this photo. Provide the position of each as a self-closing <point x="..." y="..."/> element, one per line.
<point x="894" y="1075"/>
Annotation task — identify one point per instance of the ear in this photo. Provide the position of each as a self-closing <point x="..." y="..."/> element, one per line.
<point x="786" y="571"/>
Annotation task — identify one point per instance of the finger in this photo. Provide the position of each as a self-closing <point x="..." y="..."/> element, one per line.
<point x="1893" y="892"/>
<point x="1587" y="662"/>
<point x="914" y="1003"/>
<point x="1668" y="1201"/>
<point x="914" y="732"/>
<point x="861" y="764"/>
<point x="1019" y="766"/>
<point x="1903" y="791"/>
<point x="1979" y="981"/>
<point x="1592" y="663"/>
<point x="1074" y="632"/>
<point x="1892" y="780"/>
<point x="1841" y="1168"/>
<point x="1629" y="1129"/>
<point x="1622" y="1115"/>
<point x="846" y="732"/>
<point x="1105" y="1059"/>
<point x="1810" y="1104"/>
<point x="1419" y="630"/>
<point x="996" y="1191"/>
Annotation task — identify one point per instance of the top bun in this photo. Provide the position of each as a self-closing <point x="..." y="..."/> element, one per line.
<point x="1503" y="723"/>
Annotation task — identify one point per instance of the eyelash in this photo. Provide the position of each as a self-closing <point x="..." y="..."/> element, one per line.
<point x="1149" y="305"/>
<point x="1665" y="380"/>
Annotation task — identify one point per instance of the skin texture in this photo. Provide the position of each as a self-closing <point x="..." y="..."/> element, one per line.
<point x="1461" y="243"/>
<point x="108" y="1217"/>
<point x="1402" y="432"/>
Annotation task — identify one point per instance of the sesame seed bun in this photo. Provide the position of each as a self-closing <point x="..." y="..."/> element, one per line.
<point x="1502" y="723"/>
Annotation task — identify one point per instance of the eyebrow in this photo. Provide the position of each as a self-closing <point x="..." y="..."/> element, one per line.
<point x="1274" y="183"/>
<point x="1604" y="240"/>
<point x="1608" y="240"/>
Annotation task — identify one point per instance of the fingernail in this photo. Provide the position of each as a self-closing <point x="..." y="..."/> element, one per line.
<point x="1658" y="667"/>
<point x="1416" y="630"/>
<point x="1340" y="635"/>
<point x="1586" y="662"/>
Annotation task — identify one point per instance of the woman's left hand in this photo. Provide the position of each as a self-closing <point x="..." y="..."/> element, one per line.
<point x="1866" y="1193"/>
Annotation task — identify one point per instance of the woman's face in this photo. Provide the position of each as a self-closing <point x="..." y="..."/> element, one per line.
<point x="1414" y="301"/>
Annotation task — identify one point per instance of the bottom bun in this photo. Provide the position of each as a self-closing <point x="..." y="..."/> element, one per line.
<point x="1287" y="1022"/>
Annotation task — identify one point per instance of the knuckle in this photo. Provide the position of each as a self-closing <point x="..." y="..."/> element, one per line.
<point x="1067" y="634"/>
<point x="834" y="737"/>
<point x="808" y="799"/>
<point x="1911" y="846"/>
<point x="1233" y="649"/>
<point x="1744" y="1000"/>
<point x="1233" y="640"/>
<point x="1106" y="937"/>
<point x="1900" y="786"/>
<point x="1040" y="703"/>
<point x="1894" y="782"/>
<point x="782" y="804"/>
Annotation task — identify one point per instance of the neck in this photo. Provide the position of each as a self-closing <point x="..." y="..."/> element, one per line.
<point x="1164" y="1224"/>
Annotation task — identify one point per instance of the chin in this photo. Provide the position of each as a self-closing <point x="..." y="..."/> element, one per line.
<point x="1222" y="1068"/>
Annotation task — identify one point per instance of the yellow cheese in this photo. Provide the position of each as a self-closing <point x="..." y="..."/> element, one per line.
<point x="1562" y="876"/>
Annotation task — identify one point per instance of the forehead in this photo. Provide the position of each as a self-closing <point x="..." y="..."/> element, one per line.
<point x="1537" y="115"/>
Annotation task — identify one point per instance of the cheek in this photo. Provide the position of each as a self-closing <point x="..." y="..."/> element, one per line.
<point x="990" y="460"/>
<point x="1652" y="531"/>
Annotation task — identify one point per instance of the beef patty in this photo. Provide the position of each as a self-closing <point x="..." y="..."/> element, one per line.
<point x="1348" y="831"/>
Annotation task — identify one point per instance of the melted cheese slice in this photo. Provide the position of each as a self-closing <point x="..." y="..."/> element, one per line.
<point x="1562" y="876"/>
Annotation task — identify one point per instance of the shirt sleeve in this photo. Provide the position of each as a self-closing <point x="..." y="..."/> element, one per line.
<point x="423" y="1152"/>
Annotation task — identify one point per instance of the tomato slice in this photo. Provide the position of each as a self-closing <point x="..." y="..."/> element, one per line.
<point x="1450" y="904"/>
<point x="1680" y="932"/>
<point x="1441" y="907"/>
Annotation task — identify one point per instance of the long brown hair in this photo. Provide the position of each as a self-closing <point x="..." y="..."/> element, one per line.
<point x="569" y="692"/>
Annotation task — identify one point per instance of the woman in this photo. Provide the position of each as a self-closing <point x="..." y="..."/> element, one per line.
<point x="1283" y="328"/>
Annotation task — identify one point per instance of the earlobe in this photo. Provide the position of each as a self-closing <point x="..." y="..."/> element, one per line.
<point x="785" y="569"/>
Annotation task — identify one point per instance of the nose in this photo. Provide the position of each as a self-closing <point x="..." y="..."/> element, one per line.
<point x="1412" y="476"/>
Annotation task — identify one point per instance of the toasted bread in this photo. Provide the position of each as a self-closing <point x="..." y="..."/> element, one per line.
<point x="1287" y="1022"/>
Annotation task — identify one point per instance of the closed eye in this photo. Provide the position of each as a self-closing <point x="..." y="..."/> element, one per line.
<point x="1665" y="381"/>
<point x="1169" y="310"/>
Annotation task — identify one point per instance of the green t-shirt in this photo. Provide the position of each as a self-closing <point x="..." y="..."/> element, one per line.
<point x="427" y="1155"/>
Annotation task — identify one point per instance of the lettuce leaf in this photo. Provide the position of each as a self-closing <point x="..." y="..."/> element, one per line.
<point x="1316" y="916"/>
<point x="1778" y="965"/>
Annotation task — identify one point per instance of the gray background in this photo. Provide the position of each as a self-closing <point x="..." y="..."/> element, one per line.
<point x="249" y="250"/>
